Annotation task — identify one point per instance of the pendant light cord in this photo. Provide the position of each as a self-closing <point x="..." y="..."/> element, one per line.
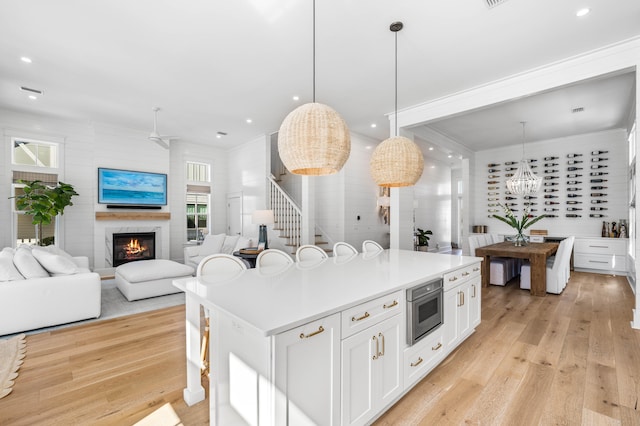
<point x="314" y="51"/>
<point x="396" y="81"/>
<point x="523" y="123"/>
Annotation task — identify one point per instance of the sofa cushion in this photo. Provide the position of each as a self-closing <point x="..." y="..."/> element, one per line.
<point x="55" y="264"/>
<point x="28" y="265"/>
<point x="212" y="244"/>
<point x="8" y="271"/>
<point x="154" y="269"/>
<point x="242" y="242"/>
<point x="229" y="244"/>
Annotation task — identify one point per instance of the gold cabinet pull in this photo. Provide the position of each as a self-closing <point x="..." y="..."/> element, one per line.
<point x="459" y="299"/>
<point x="436" y="347"/>
<point x="318" y="331"/>
<point x="453" y="278"/>
<point x="464" y="274"/>
<point x="462" y="294"/>
<point x="366" y="315"/>
<point x="395" y="303"/>
<point x="382" y="337"/>
<point x="476" y="269"/>
<point x="376" y="354"/>
<point x="474" y="290"/>
<point x="417" y="363"/>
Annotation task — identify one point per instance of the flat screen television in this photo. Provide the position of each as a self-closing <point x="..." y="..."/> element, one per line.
<point x="131" y="188"/>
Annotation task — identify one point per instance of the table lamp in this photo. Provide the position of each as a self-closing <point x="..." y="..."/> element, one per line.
<point x="262" y="218"/>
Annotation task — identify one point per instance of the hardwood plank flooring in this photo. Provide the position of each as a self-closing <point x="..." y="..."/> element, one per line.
<point x="570" y="359"/>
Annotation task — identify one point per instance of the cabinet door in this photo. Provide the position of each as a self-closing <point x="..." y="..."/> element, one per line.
<point x="464" y="311"/>
<point x="450" y="326"/>
<point x="388" y="374"/>
<point x="307" y="372"/>
<point x="475" y="298"/>
<point x="358" y="352"/>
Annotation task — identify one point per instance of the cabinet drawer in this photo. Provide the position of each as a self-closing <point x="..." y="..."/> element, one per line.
<point x="603" y="246"/>
<point x="600" y="261"/>
<point x="453" y="278"/>
<point x="369" y="313"/>
<point x="422" y="357"/>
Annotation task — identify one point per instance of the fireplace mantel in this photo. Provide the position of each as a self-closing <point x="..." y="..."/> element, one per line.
<point x="133" y="215"/>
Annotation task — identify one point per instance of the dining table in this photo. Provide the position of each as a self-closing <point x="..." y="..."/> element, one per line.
<point x="536" y="253"/>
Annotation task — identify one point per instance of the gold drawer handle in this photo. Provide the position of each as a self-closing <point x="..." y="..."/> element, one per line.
<point x="436" y="347"/>
<point x="464" y="274"/>
<point x="376" y="354"/>
<point x="395" y="303"/>
<point x="306" y="336"/>
<point x="453" y="278"/>
<point x="417" y="363"/>
<point x="476" y="269"/>
<point x="366" y="315"/>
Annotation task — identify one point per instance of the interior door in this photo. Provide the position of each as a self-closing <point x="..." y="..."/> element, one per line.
<point x="234" y="215"/>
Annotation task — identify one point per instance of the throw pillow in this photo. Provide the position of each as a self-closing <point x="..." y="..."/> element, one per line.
<point x="242" y="242"/>
<point x="56" y="264"/>
<point x="8" y="271"/>
<point x="28" y="265"/>
<point x="229" y="244"/>
<point x="212" y="244"/>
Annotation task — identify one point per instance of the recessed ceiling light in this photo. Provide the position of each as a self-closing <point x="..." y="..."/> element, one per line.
<point x="367" y="147"/>
<point x="34" y="97"/>
<point x="583" y="12"/>
<point x="296" y="98"/>
<point x="374" y="125"/>
<point x="449" y="156"/>
<point x="430" y="148"/>
<point x="249" y="120"/>
<point x="25" y="59"/>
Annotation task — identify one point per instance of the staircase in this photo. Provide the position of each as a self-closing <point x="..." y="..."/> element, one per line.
<point x="288" y="218"/>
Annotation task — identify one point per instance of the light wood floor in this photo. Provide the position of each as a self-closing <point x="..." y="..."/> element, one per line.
<point x="570" y="359"/>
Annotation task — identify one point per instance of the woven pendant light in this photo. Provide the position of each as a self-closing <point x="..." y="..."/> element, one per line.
<point x="396" y="161"/>
<point x="313" y="139"/>
<point x="524" y="181"/>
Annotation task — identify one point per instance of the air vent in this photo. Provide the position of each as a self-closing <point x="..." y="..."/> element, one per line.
<point x="29" y="89"/>
<point x="576" y="110"/>
<point x="493" y="3"/>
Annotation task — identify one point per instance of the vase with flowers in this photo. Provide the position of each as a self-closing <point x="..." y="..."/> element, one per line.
<point x="519" y="239"/>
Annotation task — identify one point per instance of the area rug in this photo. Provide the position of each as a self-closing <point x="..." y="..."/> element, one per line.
<point x="12" y="352"/>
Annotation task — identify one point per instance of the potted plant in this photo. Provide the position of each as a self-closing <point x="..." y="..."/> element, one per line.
<point x="44" y="203"/>
<point x="519" y="239"/>
<point x="422" y="239"/>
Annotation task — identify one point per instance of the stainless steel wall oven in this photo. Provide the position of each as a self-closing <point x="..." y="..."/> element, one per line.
<point x="424" y="310"/>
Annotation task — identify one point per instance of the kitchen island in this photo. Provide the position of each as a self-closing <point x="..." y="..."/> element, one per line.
<point x="322" y="343"/>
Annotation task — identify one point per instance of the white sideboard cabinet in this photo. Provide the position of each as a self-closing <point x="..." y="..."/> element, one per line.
<point x="600" y="255"/>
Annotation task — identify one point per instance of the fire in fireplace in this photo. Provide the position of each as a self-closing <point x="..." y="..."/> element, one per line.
<point x="129" y="247"/>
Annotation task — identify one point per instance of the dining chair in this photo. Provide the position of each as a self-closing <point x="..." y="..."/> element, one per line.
<point x="370" y="246"/>
<point x="556" y="271"/>
<point x="501" y="269"/>
<point x="343" y="249"/>
<point x="215" y="264"/>
<point x="272" y="257"/>
<point x="310" y="252"/>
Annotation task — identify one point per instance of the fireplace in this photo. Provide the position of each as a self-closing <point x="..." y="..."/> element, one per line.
<point x="133" y="246"/>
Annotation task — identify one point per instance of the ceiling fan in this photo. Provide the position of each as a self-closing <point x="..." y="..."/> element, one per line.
<point x="162" y="140"/>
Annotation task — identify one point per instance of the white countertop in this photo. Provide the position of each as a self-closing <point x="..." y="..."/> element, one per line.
<point x="276" y="300"/>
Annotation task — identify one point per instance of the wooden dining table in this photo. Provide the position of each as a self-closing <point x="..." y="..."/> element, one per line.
<point x="537" y="253"/>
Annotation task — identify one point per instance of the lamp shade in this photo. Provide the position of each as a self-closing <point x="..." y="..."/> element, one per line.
<point x="314" y="140"/>
<point x="262" y="217"/>
<point x="396" y="162"/>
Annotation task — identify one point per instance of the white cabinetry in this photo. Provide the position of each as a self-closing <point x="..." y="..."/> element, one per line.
<point x="309" y="354"/>
<point x="371" y="367"/>
<point x="461" y="304"/>
<point x="603" y="255"/>
<point x="422" y="357"/>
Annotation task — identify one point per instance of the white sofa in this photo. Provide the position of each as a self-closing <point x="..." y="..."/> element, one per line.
<point x="56" y="289"/>
<point x="213" y="244"/>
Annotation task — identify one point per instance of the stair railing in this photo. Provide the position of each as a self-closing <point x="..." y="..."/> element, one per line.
<point x="287" y="215"/>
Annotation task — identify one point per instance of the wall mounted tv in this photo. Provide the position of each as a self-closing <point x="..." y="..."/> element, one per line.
<point x="128" y="188"/>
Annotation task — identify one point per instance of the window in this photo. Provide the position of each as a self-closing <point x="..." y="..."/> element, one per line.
<point x="27" y="152"/>
<point x="198" y="200"/>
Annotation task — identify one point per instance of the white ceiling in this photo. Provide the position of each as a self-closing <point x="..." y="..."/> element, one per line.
<point x="210" y="65"/>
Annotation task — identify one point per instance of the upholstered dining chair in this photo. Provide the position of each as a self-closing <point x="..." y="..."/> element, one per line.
<point x="556" y="270"/>
<point x="272" y="257"/>
<point x="343" y="249"/>
<point x="309" y="252"/>
<point x="501" y="269"/>
<point x="370" y="246"/>
<point x="219" y="263"/>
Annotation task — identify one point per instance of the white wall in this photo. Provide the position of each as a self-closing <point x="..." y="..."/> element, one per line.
<point x="613" y="141"/>
<point x="433" y="203"/>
